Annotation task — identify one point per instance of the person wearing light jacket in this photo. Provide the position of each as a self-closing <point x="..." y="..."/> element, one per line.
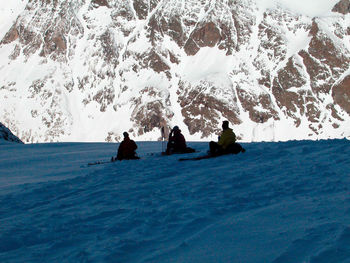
<point x="227" y="142"/>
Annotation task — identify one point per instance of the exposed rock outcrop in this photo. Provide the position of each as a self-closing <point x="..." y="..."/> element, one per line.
<point x="7" y="135"/>
<point x="342" y="7"/>
<point x="341" y="94"/>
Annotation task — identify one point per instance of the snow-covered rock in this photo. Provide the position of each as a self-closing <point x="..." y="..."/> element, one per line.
<point x="89" y="70"/>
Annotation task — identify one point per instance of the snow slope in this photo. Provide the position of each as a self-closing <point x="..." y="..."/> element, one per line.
<point x="306" y="7"/>
<point x="278" y="202"/>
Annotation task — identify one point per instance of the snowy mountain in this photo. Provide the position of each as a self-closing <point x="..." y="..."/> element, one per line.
<point x="277" y="202"/>
<point x="7" y="136"/>
<point x="89" y="70"/>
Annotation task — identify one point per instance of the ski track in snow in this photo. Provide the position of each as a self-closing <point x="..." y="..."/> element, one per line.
<point x="278" y="202"/>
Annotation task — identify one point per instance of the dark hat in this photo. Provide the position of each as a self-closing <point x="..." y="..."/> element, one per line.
<point x="176" y="128"/>
<point x="126" y="134"/>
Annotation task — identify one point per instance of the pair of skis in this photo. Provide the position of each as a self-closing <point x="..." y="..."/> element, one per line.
<point x="112" y="160"/>
<point x="197" y="158"/>
<point x="181" y="159"/>
<point x="99" y="162"/>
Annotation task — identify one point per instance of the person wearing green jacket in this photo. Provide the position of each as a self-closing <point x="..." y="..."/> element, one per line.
<point x="227" y="142"/>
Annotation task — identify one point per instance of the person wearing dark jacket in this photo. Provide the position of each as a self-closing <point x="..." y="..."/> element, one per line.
<point x="177" y="142"/>
<point x="126" y="150"/>
<point x="227" y="142"/>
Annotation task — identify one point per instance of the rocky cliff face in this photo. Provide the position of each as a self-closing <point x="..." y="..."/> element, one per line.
<point x="7" y="135"/>
<point x="88" y="70"/>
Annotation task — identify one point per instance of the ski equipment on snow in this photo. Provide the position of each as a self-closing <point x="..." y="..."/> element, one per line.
<point x="208" y="156"/>
<point x="199" y="158"/>
<point x="99" y="162"/>
<point x="163" y="138"/>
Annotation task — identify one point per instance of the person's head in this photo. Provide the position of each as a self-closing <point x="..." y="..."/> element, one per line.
<point x="176" y="129"/>
<point x="126" y="135"/>
<point x="225" y="125"/>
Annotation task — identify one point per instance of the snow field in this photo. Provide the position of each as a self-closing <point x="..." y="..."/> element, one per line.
<point x="278" y="202"/>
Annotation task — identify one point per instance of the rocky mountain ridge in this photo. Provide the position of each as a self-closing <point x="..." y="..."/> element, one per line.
<point x="88" y="70"/>
<point x="7" y="135"/>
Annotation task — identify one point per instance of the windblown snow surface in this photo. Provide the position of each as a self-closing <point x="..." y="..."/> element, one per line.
<point x="278" y="202"/>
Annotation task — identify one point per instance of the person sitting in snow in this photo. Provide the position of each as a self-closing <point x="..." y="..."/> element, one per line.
<point x="227" y="142"/>
<point x="126" y="150"/>
<point x="177" y="142"/>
